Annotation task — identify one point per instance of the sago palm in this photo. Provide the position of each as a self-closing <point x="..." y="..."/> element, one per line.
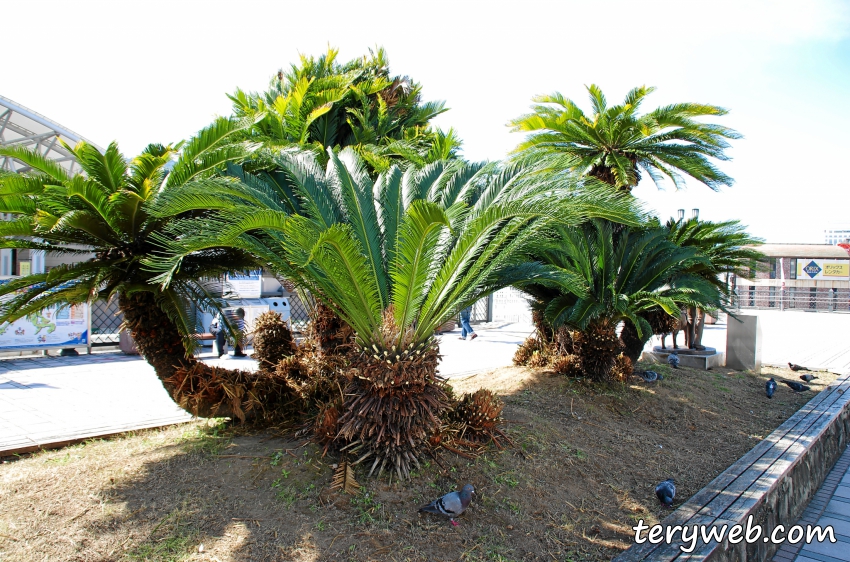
<point x="726" y="247"/>
<point x="102" y="217"/>
<point x="394" y="258"/>
<point x="611" y="275"/>
<point x="322" y="103"/>
<point x="615" y="143"/>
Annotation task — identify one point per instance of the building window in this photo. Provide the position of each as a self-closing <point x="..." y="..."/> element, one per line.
<point x="771" y="298"/>
<point x="752" y="295"/>
<point x="792" y="293"/>
<point x="813" y="298"/>
<point x="793" y="268"/>
<point x="773" y="268"/>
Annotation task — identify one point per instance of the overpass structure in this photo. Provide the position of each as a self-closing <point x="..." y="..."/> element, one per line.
<point x="21" y="126"/>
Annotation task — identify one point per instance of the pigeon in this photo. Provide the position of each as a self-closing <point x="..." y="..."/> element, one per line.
<point x="649" y="376"/>
<point x="770" y="388"/>
<point x="797" y="387"/>
<point x="673" y="359"/>
<point x="808" y="378"/>
<point x="452" y="504"/>
<point x="666" y="491"/>
<point x="795" y="368"/>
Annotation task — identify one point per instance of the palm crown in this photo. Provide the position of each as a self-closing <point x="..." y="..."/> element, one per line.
<point x="105" y="211"/>
<point x="322" y="103"/>
<point x="615" y="143"/>
<point x="421" y="242"/>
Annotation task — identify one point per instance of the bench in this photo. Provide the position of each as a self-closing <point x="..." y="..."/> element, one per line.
<point x="773" y="482"/>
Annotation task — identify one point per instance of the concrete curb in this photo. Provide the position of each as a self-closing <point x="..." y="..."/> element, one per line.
<point x="773" y="482"/>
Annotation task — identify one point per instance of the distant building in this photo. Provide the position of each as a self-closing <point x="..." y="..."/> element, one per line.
<point x="837" y="235"/>
<point x="813" y="277"/>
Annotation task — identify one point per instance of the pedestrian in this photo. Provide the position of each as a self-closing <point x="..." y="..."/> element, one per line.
<point x="217" y="329"/>
<point x="465" y="328"/>
<point x="240" y="333"/>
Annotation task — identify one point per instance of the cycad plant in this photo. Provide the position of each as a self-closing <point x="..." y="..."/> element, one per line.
<point x="322" y="103"/>
<point x="615" y="143"/>
<point x="611" y="275"/>
<point x="726" y="248"/>
<point x="394" y="258"/>
<point x="102" y="217"/>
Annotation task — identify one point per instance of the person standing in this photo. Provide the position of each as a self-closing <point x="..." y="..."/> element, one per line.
<point x="465" y="328"/>
<point x="240" y="333"/>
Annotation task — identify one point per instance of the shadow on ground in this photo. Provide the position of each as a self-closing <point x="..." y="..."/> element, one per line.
<point x="581" y="474"/>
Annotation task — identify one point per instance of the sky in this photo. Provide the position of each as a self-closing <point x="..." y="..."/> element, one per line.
<point x="153" y="71"/>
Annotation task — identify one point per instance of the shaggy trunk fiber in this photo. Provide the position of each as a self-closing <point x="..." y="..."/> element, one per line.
<point x="392" y="408"/>
<point x="329" y="331"/>
<point x="598" y="347"/>
<point x="632" y="343"/>
<point x="155" y="335"/>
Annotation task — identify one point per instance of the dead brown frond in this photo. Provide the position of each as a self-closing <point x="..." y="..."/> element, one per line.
<point x="343" y="479"/>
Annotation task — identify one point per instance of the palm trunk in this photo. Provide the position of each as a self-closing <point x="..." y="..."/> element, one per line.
<point x="598" y="346"/>
<point x="392" y="409"/>
<point x="160" y="343"/>
<point x="632" y="343"/>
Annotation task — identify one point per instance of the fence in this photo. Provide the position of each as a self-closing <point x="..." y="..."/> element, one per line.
<point x="792" y="298"/>
<point x="106" y="320"/>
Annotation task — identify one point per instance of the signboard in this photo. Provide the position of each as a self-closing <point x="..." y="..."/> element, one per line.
<point x="828" y="270"/>
<point x="55" y="326"/>
<point x="246" y="285"/>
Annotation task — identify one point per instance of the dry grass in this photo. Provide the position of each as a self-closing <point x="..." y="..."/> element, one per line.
<point x="583" y="471"/>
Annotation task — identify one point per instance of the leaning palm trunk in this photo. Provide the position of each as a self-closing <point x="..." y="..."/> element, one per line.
<point x="202" y="390"/>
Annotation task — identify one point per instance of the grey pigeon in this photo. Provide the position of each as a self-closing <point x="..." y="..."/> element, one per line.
<point x="650" y="376"/>
<point x="808" y="378"/>
<point x="666" y="491"/>
<point x="797" y="387"/>
<point x="673" y="359"/>
<point x="795" y="368"/>
<point x="770" y="387"/>
<point x="452" y="504"/>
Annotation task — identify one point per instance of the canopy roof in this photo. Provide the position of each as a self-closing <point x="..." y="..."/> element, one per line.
<point x="21" y="126"/>
<point x="822" y="251"/>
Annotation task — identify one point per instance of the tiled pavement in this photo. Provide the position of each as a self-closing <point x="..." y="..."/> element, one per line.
<point x="48" y="400"/>
<point x="830" y="506"/>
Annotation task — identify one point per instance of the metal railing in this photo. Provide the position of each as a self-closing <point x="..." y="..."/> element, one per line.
<point x="792" y="298"/>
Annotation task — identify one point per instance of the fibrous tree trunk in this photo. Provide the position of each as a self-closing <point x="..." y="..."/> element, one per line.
<point x="392" y="408"/>
<point x="160" y="343"/>
<point x="598" y="346"/>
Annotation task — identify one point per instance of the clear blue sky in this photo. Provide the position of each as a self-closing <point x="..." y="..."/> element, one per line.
<point x="151" y="71"/>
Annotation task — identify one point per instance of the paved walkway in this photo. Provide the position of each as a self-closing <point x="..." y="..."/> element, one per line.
<point x="51" y="400"/>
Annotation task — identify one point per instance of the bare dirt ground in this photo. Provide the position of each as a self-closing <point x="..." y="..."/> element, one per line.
<point x="582" y="473"/>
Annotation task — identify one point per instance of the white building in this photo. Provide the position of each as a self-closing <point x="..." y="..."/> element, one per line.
<point x="838" y="234"/>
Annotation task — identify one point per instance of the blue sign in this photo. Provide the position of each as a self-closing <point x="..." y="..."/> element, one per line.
<point x="812" y="269"/>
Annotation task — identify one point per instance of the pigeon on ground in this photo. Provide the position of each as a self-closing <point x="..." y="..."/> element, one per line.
<point x="649" y="376"/>
<point x="673" y="359"/>
<point x="666" y="491"/>
<point x="770" y="387"/>
<point x="795" y="368"/>
<point x="797" y="387"/>
<point x="452" y="504"/>
<point x="808" y="378"/>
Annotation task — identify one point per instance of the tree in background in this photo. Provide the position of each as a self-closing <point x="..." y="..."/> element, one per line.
<point x="322" y="103"/>
<point x="606" y="276"/>
<point x="615" y="143"/>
